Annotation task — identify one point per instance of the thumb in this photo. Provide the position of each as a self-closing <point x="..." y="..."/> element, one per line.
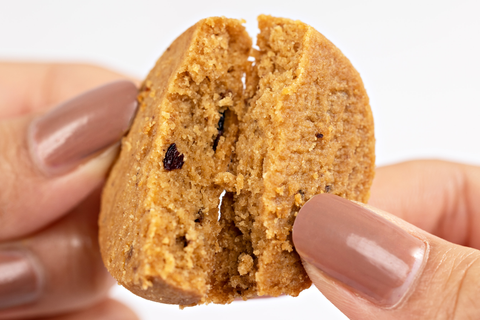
<point x="49" y="163"/>
<point x="373" y="265"/>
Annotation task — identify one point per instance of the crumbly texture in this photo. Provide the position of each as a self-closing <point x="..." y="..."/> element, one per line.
<point x="307" y="129"/>
<point x="158" y="223"/>
<point x="301" y="126"/>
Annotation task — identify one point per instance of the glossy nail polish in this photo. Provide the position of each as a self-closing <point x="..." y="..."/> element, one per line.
<point x="374" y="257"/>
<point x="80" y="128"/>
<point x="19" y="280"/>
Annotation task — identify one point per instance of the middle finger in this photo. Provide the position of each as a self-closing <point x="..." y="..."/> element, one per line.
<point x="55" y="270"/>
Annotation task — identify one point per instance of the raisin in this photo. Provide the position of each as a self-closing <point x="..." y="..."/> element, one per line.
<point x="220" y="128"/>
<point x="319" y="135"/>
<point x="200" y="216"/>
<point x="328" y="189"/>
<point x="173" y="158"/>
<point x="182" y="241"/>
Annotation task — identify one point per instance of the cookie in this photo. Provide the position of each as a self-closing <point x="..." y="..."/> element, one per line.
<point x="159" y="215"/>
<point x="306" y="129"/>
<point x="300" y="125"/>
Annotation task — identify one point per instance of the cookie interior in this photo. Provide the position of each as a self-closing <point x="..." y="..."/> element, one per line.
<point x="306" y="129"/>
<point x="301" y="126"/>
<point x="159" y="221"/>
<point x="308" y="107"/>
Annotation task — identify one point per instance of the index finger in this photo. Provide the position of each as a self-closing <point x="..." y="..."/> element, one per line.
<point x="48" y="164"/>
<point x="442" y="198"/>
<point x="33" y="87"/>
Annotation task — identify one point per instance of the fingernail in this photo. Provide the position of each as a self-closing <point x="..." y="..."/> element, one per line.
<point x="375" y="258"/>
<point x="80" y="128"/>
<point x="19" y="280"/>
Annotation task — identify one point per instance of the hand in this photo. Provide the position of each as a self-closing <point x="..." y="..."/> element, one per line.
<point x="419" y="261"/>
<point x="52" y="166"/>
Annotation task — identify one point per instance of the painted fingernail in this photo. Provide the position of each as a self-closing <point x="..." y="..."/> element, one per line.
<point x="80" y="128"/>
<point x="375" y="258"/>
<point x="19" y="280"/>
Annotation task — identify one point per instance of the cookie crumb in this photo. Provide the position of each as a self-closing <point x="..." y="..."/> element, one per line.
<point x="245" y="264"/>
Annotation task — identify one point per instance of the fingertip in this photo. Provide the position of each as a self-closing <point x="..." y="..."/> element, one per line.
<point x="347" y="242"/>
<point x="438" y="277"/>
<point x="80" y="128"/>
<point x="115" y="310"/>
<point x="71" y="273"/>
<point x="59" y="158"/>
<point x="108" y="309"/>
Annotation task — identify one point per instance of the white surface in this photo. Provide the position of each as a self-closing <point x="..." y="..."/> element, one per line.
<point x="419" y="61"/>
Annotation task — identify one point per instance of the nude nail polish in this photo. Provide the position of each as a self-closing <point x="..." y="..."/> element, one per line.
<point x="82" y="127"/>
<point x="19" y="280"/>
<point x="372" y="256"/>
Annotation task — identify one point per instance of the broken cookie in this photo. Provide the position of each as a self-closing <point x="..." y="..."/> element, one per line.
<point x="300" y="125"/>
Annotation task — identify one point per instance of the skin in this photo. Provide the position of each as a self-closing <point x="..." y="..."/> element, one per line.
<point x="65" y="208"/>
<point x="434" y="200"/>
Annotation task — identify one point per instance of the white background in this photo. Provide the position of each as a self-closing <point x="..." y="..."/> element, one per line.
<point x="420" y="61"/>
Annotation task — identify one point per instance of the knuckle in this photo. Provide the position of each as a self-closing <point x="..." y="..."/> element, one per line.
<point x="7" y="172"/>
<point x="462" y="290"/>
<point x="15" y="170"/>
<point x="468" y="291"/>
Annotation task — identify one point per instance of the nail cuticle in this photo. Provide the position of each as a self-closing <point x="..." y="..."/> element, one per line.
<point x="32" y="149"/>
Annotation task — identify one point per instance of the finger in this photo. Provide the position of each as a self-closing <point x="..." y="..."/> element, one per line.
<point x="48" y="164"/>
<point x="440" y="197"/>
<point x="57" y="270"/>
<point x="33" y="87"/>
<point x="106" y="310"/>
<point x="373" y="265"/>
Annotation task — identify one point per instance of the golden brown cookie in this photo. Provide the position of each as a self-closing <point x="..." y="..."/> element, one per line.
<point x="306" y="129"/>
<point x="158" y="223"/>
<point x="301" y="126"/>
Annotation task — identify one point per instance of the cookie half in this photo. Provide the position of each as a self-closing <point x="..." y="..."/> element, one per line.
<point x="306" y="129"/>
<point x="159" y="216"/>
